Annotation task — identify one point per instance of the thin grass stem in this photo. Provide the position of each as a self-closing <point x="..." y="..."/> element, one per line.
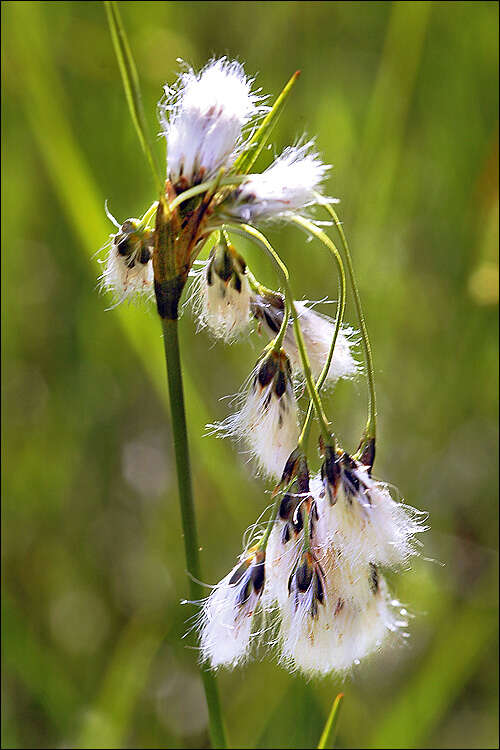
<point x="371" y="425"/>
<point x="130" y="83"/>
<point x="191" y="547"/>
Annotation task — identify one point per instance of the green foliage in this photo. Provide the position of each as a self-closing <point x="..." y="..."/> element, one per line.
<point x="403" y="101"/>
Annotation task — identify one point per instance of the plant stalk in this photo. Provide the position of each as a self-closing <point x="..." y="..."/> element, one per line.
<point x="371" y="425"/>
<point x="190" y="534"/>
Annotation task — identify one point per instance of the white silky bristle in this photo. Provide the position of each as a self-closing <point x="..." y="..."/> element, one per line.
<point x="225" y="622"/>
<point x="220" y="307"/>
<point x="352" y="622"/>
<point x="280" y="560"/>
<point x="317" y="331"/>
<point x="266" y="424"/>
<point x="287" y="186"/>
<point x="202" y="119"/>
<point x="368" y="526"/>
<point x="126" y="277"/>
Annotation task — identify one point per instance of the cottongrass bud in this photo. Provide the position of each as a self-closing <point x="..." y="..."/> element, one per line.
<point x="267" y="420"/>
<point x="361" y="518"/>
<point x="289" y="185"/>
<point x="225" y="622"/>
<point x="129" y="269"/>
<point x="221" y="294"/>
<point x="317" y="330"/>
<point x="202" y="118"/>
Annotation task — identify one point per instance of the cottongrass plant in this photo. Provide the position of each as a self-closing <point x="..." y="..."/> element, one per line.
<point x="310" y="584"/>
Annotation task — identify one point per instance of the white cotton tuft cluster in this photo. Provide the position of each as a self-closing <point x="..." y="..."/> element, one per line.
<point x="317" y="331"/>
<point x="351" y="622"/>
<point x="225" y="623"/>
<point x="128" y="270"/>
<point x="221" y="296"/>
<point x="287" y="186"/>
<point x="361" y="519"/>
<point x="202" y="118"/>
<point x="266" y="422"/>
<point x="326" y="609"/>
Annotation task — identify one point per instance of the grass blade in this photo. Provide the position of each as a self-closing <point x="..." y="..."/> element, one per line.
<point x="130" y="82"/>
<point x="247" y="159"/>
<point x="330" y="729"/>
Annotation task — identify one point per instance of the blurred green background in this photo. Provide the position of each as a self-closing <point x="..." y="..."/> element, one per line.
<point x="402" y="98"/>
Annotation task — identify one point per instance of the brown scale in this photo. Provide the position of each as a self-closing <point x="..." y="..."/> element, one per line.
<point x="339" y="606"/>
<point x="249" y="575"/>
<point x="373" y="579"/>
<point x="308" y="577"/>
<point x="291" y="505"/>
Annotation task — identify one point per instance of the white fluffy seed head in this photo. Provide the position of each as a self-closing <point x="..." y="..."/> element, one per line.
<point x="225" y="623"/>
<point x="128" y="270"/>
<point x="365" y="523"/>
<point x="266" y="423"/>
<point x="353" y="620"/>
<point x="281" y="558"/>
<point x="221" y="296"/>
<point x="286" y="187"/>
<point x="333" y="611"/>
<point x="202" y="118"/>
<point x="317" y="330"/>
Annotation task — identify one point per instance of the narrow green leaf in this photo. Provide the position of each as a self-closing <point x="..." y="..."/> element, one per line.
<point x="247" y="159"/>
<point x="130" y="81"/>
<point x="329" y="732"/>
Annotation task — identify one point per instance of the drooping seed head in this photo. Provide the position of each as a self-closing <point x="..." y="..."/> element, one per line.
<point x="128" y="270"/>
<point x="225" y="622"/>
<point x="221" y="293"/>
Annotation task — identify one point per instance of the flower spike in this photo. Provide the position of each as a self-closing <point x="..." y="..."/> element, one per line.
<point x="225" y="622"/>
<point x="267" y="420"/>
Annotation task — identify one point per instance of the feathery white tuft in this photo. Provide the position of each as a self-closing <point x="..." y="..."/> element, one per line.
<point x="202" y="118"/>
<point x="222" y="306"/>
<point x="317" y="331"/>
<point x="333" y="610"/>
<point x="225" y="622"/>
<point x="365" y="524"/>
<point x="280" y="560"/>
<point x="267" y="420"/>
<point x="353" y="620"/>
<point x="287" y="186"/>
<point x="128" y="270"/>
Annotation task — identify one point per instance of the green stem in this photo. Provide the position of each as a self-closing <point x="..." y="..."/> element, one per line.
<point x="248" y="231"/>
<point x="304" y="435"/>
<point x="278" y="340"/>
<point x="371" y="425"/>
<point x="191" y="547"/>
<point x="247" y="159"/>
